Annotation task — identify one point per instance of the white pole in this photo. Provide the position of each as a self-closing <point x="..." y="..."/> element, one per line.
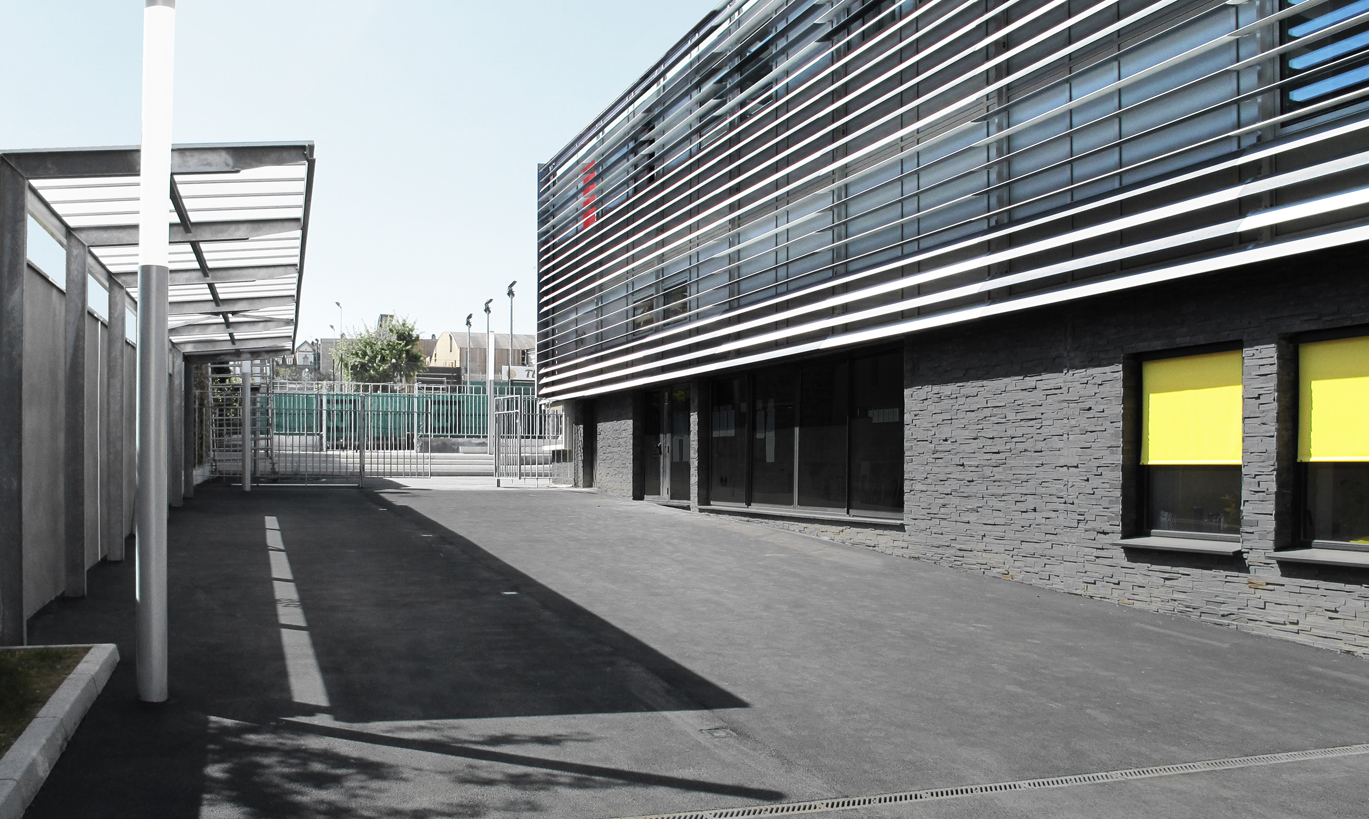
<point x="159" y="38"/>
<point x="511" y="284"/>
<point x="249" y="430"/>
<point x="489" y="385"/>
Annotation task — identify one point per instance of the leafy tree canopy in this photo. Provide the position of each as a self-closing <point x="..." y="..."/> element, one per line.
<point x="384" y="354"/>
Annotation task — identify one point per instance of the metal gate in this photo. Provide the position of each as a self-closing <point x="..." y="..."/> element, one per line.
<point x="530" y="441"/>
<point x="343" y="432"/>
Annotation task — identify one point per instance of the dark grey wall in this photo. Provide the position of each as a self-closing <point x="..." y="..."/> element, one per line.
<point x="1020" y="445"/>
<point x="1015" y="437"/>
<point x="615" y="445"/>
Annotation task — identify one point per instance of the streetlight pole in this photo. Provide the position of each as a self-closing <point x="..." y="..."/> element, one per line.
<point x="159" y="40"/>
<point x="511" y="284"/>
<point x="340" y="326"/>
<point x="489" y="384"/>
<point x="465" y="372"/>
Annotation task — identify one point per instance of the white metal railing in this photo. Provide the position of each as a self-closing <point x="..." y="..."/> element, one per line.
<point x="344" y="432"/>
<point x="530" y="440"/>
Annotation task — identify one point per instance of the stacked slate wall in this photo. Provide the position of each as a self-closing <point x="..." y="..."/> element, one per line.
<point x="616" y="440"/>
<point x="1021" y="439"/>
<point x="1017" y="441"/>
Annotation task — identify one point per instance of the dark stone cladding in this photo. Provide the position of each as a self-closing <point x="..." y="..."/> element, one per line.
<point x="616" y="444"/>
<point x="1020" y="439"/>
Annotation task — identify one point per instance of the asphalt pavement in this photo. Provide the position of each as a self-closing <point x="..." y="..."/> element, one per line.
<point x="416" y="651"/>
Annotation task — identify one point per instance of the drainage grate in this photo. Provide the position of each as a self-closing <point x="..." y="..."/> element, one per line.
<point x="849" y="802"/>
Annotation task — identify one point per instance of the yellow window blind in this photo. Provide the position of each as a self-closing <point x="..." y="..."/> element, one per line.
<point x="1333" y="400"/>
<point x="1191" y="409"/>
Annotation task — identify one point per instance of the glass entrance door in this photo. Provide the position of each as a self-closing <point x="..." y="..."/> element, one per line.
<point x="653" y="444"/>
<point x="677" y="477"/>
<point x="665" y="444"/>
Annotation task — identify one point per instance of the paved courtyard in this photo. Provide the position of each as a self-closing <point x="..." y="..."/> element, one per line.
<point x="415" y="651"/>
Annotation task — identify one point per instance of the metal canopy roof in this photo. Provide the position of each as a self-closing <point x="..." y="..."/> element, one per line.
<point x="238" y="223"/>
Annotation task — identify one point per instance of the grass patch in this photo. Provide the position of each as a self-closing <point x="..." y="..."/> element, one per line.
<point x="28" y="676"/>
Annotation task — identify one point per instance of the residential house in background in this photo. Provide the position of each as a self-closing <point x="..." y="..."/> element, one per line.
<point x="451" y="350"/>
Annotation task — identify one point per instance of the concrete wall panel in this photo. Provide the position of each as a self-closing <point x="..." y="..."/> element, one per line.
<point x="44" y="411"/>
<point x="94" y="394"/>
<point x="130" y="434"/>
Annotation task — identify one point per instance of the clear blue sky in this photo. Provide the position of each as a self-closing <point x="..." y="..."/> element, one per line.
<point x="429" y="118"/>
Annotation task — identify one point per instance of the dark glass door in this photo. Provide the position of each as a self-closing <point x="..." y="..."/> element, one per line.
<point x="823" y="390"/>
<point x="652" y="449"/>
<point x="877" y="433"/>
<point x="678" y="434"/>
<point x="727" y="441"/>
<point x="772" y="439"/>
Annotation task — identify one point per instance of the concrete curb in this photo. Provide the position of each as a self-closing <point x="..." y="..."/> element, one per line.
<point x="28" y="762"/>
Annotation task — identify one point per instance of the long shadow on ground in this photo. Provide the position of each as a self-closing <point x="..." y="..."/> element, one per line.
<point x="412" y="621"/>
<point x="409" y="621"/>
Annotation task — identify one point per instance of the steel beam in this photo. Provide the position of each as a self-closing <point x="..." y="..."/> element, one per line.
<point x="189" y="428"/>
<point x="225" y="356"/>
<point x="115" y="526"/>
<point x="226" y="158"/>
<point x="74" y="451"/>
<point x="175" y="453"/>
<point x="246" y="345"/>
<point x="13" y="265"/>
<point x="218" y="328"/>
<point x="249" y="443"/>
<point x="190" y="308"/>
<point x="221" y="275"/>
<point x="235" y="231"/>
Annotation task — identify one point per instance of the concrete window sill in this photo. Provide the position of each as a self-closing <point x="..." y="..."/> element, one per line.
<point x="825" y="517"/>
<point x="1182" y="544"/>
<point x="1325" y="557"/>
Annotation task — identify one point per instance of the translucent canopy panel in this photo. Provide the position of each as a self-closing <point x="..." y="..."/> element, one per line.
<point x="238" y="220"/>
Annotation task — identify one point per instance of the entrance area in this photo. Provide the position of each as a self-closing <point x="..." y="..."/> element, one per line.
<point x="666" y="444"/>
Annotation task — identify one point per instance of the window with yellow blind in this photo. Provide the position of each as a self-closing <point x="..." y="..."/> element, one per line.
<point x="1333" y="440"/>
<point x="1191" y="444"/>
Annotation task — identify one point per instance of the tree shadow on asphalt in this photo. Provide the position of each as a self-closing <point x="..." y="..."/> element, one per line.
<point x="298" y="770"/>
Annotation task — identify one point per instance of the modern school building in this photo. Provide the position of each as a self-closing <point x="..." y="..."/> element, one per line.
<point x="1073" y="292"/>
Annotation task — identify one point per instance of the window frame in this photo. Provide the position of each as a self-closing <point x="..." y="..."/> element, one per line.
<point x="1303" y="537"/>
<point x="1137" y="523"/>
<point x="796" y="368"/>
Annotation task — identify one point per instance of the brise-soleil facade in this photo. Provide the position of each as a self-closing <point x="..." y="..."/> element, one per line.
<point x="1070" y="292"/>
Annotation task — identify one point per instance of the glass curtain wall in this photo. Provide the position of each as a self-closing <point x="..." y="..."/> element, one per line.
<point x="824" y="436"/>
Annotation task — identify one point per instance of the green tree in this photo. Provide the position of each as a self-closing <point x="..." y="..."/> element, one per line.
<point x="384" y="354"/>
